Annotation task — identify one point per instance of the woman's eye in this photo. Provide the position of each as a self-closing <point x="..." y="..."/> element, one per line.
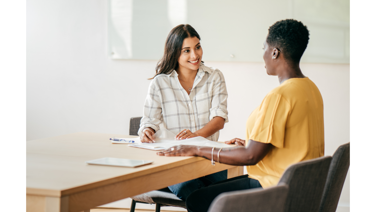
<point x="186" y="51"/>
<point x="198" y="47"/>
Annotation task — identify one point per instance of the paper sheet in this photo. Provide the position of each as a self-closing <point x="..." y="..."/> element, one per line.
<point x="166" y="139"/>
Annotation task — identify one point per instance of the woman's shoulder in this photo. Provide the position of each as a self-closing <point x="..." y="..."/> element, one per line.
<point x="160" y="78"/>
<point x="209" y="69"/>
<point x="214" y="73"/>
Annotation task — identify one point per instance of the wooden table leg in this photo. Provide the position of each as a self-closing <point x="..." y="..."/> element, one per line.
<point x="36" y="203"/>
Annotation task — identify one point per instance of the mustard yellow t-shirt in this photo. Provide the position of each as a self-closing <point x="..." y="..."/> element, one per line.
<point x="291" y="119"/>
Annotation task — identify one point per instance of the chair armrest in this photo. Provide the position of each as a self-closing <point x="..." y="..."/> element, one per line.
<point x="271" y="199"/>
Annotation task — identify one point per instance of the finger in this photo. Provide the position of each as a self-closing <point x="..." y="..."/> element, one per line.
<point x="184" y="136"/>
<point x="145" y="139"/>
<point x="229" y="142"/>
<point x="160" y="153"/>
<point x="188" y="134"/>
<point x="149" y="135"/>
<point x="180" y="134"/>
<point x="232" y="141"/>
<point x="174" y="153"/>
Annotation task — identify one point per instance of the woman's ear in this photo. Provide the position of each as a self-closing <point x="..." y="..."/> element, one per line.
<point x="275" y="53"/>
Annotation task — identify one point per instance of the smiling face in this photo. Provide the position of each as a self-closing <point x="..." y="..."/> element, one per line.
<point x="191" y="54"/>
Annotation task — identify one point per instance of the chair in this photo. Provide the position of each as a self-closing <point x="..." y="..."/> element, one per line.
<point x="162" y="197"/>
<point x="134" y="125"/>
<point x="306" y="181"/>
<point x="335" y="179"/>
<point x="271" y="199"/>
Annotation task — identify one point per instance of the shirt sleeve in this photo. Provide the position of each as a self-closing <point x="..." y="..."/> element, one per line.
<point x="220" y="97"/>
<point x="152" y="115"/>
<point x="272" y="116"/>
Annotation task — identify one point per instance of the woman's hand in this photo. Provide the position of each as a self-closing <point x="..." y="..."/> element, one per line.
<point x="184" y="134"/>
<point x="236" y="141"/>
<point x="147" y="136"/>
<point x="180" y="150"/>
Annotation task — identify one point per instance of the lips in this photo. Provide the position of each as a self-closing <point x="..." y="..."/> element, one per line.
<point x="194" y="62"/>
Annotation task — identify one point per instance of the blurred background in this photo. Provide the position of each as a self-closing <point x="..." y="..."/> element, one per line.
<point x="88" y="61"/>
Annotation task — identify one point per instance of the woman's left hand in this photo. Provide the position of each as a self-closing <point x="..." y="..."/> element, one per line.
<point x="180" y="150"/>
<point x="184" y="134"/>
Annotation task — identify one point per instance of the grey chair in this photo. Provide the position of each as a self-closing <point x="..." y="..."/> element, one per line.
<point x="306" y="181"/>
<point x="256" y="200"/>
<point x="162" y="197"/>
<point x="134" y="125"/>
<point x="335" y="179"/>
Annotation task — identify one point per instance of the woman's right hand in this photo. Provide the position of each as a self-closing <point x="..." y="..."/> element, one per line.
<point x="236" y="141"/>
<point x="147" y="136"/>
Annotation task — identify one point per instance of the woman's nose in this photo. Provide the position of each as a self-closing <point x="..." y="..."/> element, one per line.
<point x="193" y="54"/>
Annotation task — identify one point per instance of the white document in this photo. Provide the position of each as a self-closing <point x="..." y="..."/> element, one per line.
<point x="166" y="139"/>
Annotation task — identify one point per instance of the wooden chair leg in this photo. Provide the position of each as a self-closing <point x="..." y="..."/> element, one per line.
<point x="133" y="205"/>
<point x="158" y="207"/>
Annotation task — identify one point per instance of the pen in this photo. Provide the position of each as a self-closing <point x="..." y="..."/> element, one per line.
<point x="123" y="140"/>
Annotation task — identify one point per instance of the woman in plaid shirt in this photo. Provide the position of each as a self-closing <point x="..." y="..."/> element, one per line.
<point x="187" y="98"/>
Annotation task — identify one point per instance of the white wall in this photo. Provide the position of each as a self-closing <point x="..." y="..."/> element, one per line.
<point x="72" y="86"/>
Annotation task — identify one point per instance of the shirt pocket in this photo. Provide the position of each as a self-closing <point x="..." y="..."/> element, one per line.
<point x="203" y="106"/>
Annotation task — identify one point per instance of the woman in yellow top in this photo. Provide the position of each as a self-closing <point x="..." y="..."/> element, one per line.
<point x="286" y="128"/>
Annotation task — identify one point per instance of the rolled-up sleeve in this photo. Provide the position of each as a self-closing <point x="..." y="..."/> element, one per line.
<point x="152" y="115"/>
<point x="220" y="98"/>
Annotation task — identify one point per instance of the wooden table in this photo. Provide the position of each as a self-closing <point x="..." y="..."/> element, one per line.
<point x="59" y="180"/>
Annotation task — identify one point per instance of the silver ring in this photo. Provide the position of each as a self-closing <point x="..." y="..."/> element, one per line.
<point x="172" y="149"/>
<point x="185" y="132"/>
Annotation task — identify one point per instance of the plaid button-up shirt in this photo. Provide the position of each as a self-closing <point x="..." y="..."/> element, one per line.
<point x="169" y="105"/>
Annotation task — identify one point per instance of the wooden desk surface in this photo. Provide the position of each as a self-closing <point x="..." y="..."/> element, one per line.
<point x="58" y="178"/>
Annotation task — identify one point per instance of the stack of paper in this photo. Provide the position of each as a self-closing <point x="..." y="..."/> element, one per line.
<point x="162" y="144"/>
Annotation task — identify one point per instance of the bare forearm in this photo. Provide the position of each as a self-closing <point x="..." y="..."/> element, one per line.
<point x="232" y="156"/>
<point x="216" y="124"/>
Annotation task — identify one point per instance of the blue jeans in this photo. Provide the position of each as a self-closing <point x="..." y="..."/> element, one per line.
<point x="183" y="190"/>
<point x="200" y="200"/>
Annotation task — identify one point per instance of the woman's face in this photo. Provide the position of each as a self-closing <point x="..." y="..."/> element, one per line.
<point x="191" y="54"/>
<point x="267" y="57"/>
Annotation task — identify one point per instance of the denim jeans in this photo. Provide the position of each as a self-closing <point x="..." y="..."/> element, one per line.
<point x="200" y="200"/>
<point x="183" y="190"/>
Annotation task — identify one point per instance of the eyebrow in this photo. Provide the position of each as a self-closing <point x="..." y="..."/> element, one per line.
<point x="189" y="47"/>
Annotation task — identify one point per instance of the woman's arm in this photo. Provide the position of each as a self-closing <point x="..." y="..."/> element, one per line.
<point x="216" y="124"/>
<point x="218" y="111"/>
<point x="249" y="155"/>
<point x="152" y="114"/>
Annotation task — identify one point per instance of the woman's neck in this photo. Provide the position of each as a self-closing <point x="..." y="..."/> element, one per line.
<point x="186" y="74"/>
<point x="288" y="71"/>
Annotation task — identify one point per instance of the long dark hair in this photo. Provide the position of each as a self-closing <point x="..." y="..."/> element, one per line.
<point x="173" y="47"/>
